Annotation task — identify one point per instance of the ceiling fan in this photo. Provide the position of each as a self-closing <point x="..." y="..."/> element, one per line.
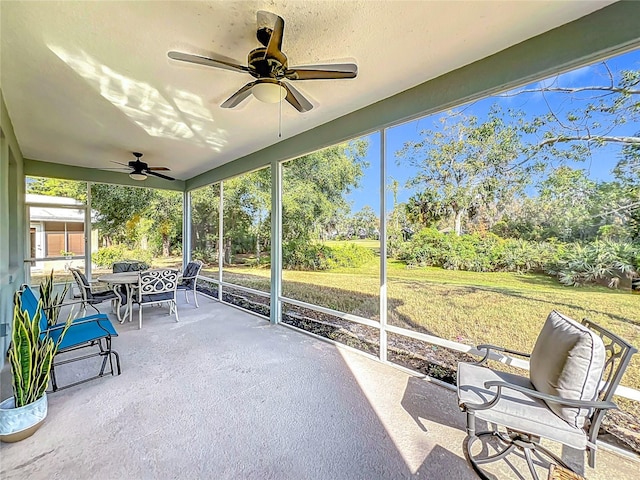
<point x="140" y="170"/>
<point x="269" y="65"/>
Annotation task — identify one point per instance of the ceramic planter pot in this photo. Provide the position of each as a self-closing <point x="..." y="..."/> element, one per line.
<point x="19" y="423"/>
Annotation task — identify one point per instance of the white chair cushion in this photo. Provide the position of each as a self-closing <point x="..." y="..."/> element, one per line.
<point x="567" y="361"/>
<point x="514" y="409"/>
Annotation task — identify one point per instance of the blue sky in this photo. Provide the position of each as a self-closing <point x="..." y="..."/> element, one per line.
<point x="598" y="167"/>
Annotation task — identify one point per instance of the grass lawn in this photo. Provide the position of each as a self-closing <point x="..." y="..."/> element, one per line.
<point x="472" y="308"/>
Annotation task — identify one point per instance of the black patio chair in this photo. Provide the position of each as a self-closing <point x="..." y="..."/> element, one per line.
<point x="129" y="266"/>
<point x="188" y="280"/>
<point x="91" y="297"/>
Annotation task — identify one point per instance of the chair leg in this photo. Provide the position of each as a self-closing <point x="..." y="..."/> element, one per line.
<point x="117" y="361"/>
<point x="111" y="353"/>
<point x="105" y="352"/>
<point x="186" y="297"/>
<point x="140" y="316"/>
<point x="509" y="442"/>
<point x="54" y="383"/>
<point x="118" y="307"/>
<point x="175" y="309"/>
<point x="105" y="358"/>
<point x="195" y="298"/>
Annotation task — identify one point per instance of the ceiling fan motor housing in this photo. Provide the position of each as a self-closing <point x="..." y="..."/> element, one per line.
<point x="261" y="66"/>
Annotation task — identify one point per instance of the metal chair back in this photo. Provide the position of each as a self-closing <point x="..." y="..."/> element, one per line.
<point x="619" y="353"/>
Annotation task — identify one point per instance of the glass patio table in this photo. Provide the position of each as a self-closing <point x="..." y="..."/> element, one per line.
<point x="127" y="279"/>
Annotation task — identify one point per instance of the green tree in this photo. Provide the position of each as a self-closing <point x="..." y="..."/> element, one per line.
<point x="627" y="172"/>
<point x="165" y="212"/>
<point x="55" y="187"/>
<point x="315" y="186"/>
<point x="426" y="208"/>
<point x="582" y="118"/>
<point x="119" y="210"/>
<point x="205" y="204"/>
<point x="566" y="198"/>
<point x="465" y="164"/>
<point x="365" y="222"/>
<point x="246" y="213"/>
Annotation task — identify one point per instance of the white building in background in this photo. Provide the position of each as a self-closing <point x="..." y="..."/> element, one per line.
<point x="57" y="232"/>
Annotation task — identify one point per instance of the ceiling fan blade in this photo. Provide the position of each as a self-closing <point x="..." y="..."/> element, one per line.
<point x="319" y="72"/>
<point x="120" y="163"/>
<point x="296" y="99"/>
<point x="274" y="49"/>
<point x="161" y="169"/>
<point x="235" y="99"/>
<point x="150" y="172"/>
<point x="208" y="62"/>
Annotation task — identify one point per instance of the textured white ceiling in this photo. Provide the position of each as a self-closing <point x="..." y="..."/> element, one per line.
<point x="86" y="83"/>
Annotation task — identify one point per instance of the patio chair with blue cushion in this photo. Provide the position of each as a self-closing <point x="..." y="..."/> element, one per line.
<point x="94" y="331"/>
<point x="574" y="371"/>
<point x="188" y="280"/>
<point x="92" y="297"/>
<point x="157" y="287"/>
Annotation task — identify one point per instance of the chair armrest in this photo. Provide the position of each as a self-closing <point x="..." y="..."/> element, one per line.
<point x="495" y="348"/>
<point x="540" y="395"/>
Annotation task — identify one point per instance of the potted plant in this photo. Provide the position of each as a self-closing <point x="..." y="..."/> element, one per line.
<point x="30" y="356"/>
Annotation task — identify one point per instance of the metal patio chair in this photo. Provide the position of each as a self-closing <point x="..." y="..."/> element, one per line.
<point x="574" y="371"/>
<point x="157" y="286"/>
<point x="94" y="332"/>
<point x="91" y="297"/>
<point x="189" y="279"/>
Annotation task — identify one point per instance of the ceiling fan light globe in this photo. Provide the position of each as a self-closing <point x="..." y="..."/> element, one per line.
<point x="269" y="92"/>
<point x="138" y="176"/>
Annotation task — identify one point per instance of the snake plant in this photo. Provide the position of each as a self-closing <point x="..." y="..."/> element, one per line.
<point x="31" y="354"/>
<point x="51" y="301"/>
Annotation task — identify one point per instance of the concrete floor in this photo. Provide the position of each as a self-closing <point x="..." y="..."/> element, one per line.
<point x="224" y="395"/>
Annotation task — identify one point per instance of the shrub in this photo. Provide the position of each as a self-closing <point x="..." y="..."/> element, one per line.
<point x="424" y="249"/>
<point x="477" y="252"/>
<point x="107" y="256"/>
<point x="524" y="256"/>
<point x="598" y="261"/>
<point x="348" y="255"/>
<point x="206" y="255"/>
<point x="305" y="255"/>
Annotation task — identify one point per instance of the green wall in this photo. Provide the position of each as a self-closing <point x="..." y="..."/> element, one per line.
<point x="12" y="222"/>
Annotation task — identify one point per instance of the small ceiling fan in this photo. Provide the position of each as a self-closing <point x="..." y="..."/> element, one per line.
<point x="140" y="170"/>
<point x="269" y="65"/>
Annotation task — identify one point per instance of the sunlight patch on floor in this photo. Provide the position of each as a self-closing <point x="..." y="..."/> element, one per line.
<point x="412" y="442"/>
